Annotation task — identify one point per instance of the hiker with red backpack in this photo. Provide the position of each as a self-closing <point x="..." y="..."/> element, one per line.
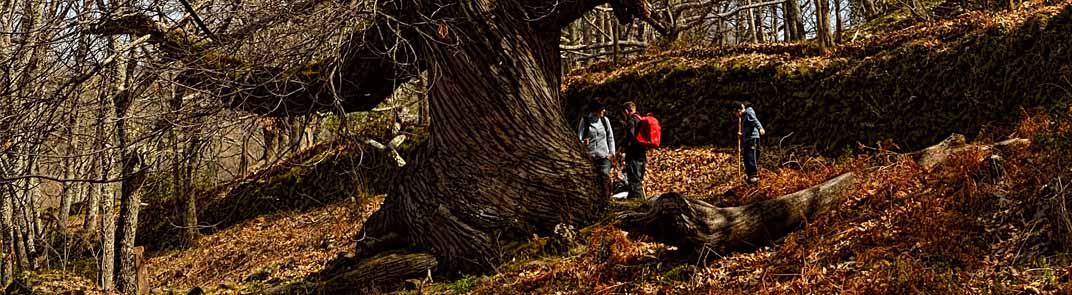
<point x="641" y="133"/>
<point x="749" y="131"/>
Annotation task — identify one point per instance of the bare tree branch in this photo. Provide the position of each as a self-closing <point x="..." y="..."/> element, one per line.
<point x="359" y="79"/>
<point x="604" y="45"/>
<point x="692" y="21"/>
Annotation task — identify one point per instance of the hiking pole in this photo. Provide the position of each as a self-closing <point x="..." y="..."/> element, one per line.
<point x="739" y="163"/>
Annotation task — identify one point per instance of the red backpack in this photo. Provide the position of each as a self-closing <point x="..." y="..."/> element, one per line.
<point x="650" y="133"/>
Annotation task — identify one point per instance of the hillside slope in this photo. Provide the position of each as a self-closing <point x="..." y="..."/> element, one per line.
<point x="911" y="87"/>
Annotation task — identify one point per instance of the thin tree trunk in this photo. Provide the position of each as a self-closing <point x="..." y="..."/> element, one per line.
<point x="757" y="21"/>
<point x="19" y="239"/>
<point x="190" y="154"/>
<point x="108" y="228"/>
<point x="93" y="202"/>
<point x="67" y="192"/>
<point x="752" y="24"/>
<point x="837" y="21"/>
<point x="183" y="167"/>
<point x="739" y="27"/>
<point x="7" y="192"/>
<point x="822" y="16"/>
<point x="719" y="37"/>
<point x="869" y="9"/>
<point x="7" y="228"/>
<point x="28" y="212"/>
<point x="616" y="37"/>
<point x="133" y="175"/>
<point x="98" y="167"/>
<point x="787" y="18"/>
<point x="774" y="23"/>
<point x="795" y="22"/>
<point x="107" y="236"/>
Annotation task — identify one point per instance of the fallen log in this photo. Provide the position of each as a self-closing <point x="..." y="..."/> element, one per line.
<point x="935" y="155"/>
<point x="694" y="225"/>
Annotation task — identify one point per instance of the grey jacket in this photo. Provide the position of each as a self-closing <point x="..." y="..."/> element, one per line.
<point x="599" y="134"/>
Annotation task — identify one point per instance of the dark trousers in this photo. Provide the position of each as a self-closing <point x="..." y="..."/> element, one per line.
<point x="750" y="155"/>
<point x="634" y="176"/>
<point x="602" y="167"/>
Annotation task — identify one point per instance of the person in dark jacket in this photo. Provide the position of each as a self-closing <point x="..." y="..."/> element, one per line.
<point x="595" y="133"/>
<point x="751" y="130"/>
<point x="636" y="155"/>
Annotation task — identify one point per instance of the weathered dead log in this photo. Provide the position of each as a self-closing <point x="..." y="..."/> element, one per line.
<point x="694" y="225"/>
<point x="935" y="155"/>
<point x="383" y="272"/>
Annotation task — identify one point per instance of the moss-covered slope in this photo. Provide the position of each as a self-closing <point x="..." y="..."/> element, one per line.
<point x="913" y="86"/>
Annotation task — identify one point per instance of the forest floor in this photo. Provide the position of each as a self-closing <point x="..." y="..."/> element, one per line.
<point x="284" y="247"/>
<point x="968" y="226"/>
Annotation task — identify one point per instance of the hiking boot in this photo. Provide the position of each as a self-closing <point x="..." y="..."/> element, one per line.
<point x="753" y="180"/>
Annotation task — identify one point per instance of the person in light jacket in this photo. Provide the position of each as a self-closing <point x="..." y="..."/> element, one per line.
<point x="595" y="133"/>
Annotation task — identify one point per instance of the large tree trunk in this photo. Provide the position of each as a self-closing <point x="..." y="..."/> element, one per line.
<point x="500" y="163"/>
<point x="694" y="225"/>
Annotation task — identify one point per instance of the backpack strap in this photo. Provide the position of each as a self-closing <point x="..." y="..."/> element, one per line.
<point x="584" y="124"/>
<point x="606" y="124"/>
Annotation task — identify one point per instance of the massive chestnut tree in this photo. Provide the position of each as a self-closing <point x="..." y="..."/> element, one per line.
<point x="499" y="163"/>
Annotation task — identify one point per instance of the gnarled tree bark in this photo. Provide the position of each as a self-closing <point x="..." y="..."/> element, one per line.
<point x="520" y="172"/>
<point x="694" y="225"/>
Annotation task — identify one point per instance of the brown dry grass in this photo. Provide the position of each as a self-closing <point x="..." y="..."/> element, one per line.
<point x="268" y="249"/>
<point x="968" y="227"/>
